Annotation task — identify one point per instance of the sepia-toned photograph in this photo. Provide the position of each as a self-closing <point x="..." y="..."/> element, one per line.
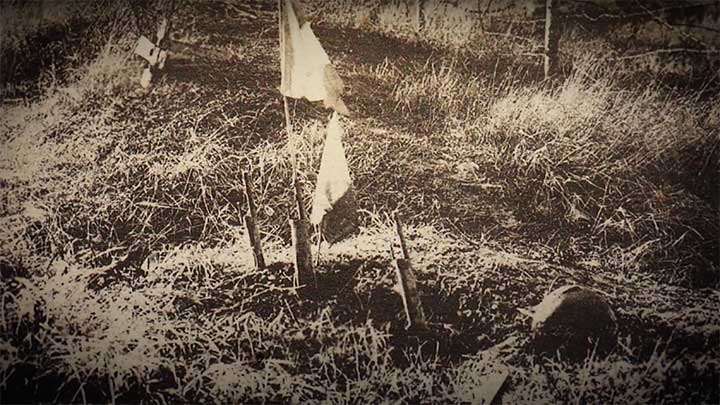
<point x="360" y="201"/>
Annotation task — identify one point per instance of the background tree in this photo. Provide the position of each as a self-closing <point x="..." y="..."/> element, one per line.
<point x="552" y="38"/>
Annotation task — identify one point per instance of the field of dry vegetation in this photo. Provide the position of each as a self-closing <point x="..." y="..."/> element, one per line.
<point x="126" y="275"/>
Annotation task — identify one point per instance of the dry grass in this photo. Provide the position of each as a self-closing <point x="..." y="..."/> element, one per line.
<point x="132" y="281"/>
<point x="589" y="155"/>
<point x="201" y="325"/>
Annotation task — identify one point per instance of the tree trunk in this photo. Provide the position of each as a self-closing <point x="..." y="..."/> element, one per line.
<point x="552" y="38"/>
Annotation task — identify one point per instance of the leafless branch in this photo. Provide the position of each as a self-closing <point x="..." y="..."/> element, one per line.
<point x="669" y="51"/>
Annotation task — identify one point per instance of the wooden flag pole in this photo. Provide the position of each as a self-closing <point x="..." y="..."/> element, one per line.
<point x="298" y="223"/>
<point x="299" y="203"/>
<point x="408" y="284"/>
<point x="286" y="108"/>
<point x="304" y="274"/>
<point x="251" y="224"/>
<point x="291" y="141"/>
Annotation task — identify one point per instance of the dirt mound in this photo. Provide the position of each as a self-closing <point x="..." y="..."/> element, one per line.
<point x="574" y="321"/>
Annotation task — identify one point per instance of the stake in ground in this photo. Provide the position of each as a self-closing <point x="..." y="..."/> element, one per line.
<point x="508" y="186"/>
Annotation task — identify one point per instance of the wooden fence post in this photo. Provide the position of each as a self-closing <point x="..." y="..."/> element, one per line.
<point x="408" y="284"/>
<point x="552" y="38"/>
<point x="251" y="224"/>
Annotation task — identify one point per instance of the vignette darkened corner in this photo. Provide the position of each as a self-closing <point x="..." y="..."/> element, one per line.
<point x="409" y="201"/>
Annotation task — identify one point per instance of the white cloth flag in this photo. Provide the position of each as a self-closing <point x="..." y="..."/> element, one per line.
<point x="334" y="199"/>
<point x="147" y="50"/>
<point x="305" y="66"/>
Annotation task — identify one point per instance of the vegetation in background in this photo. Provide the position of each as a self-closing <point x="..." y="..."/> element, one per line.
<point x="126" y="275"/>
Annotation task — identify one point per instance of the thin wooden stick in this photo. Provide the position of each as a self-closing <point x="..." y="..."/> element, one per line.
<point x="251" y="224"/>
<point x="411" y="299"/>
<point x="408" y="285"/>
<point x="401" y="236"/>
